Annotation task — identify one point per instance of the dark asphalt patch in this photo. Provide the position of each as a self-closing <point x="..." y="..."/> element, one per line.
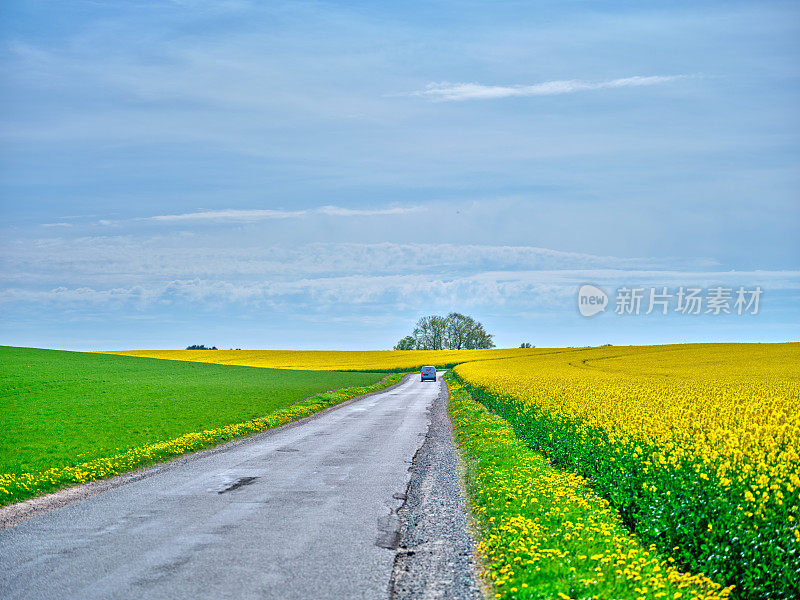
<point x="242" y="481"/>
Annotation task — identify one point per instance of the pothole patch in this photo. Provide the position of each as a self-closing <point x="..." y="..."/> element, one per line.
<point x="235" y="485"/>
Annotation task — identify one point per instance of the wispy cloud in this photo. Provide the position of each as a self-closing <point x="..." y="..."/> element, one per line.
<point x="239" y="215"/>
<point x="389" y="292"/>
<point x="266" y="214"/>
<point x="446" y="91"/>
<point x="116" y="261"/>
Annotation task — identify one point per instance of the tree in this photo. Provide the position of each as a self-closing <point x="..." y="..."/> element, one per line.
<point x="407" y="343"/>
<point x="453" y="332"/>
<point x="469" y="332"/>
<point x="526" y="345"/>
<point x="430" y="333"/>
<point x="459" y="329"/>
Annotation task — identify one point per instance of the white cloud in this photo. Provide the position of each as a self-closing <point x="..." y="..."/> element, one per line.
<point x="339" y="211"/>
<point x="232" y="214"/>
<point x="207" y="271"/>
<point x="119" y="260"/>
<point x="490" y="288"/>
<point x="446" y="91"/>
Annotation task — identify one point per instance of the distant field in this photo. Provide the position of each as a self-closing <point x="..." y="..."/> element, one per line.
<point x="60" y="409"/>
<point x="329" y="360"/>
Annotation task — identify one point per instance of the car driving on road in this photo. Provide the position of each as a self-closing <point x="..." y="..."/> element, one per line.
<point x="427" y="373"/>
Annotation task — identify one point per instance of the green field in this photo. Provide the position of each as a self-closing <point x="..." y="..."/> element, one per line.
<point x="65" y="408"/>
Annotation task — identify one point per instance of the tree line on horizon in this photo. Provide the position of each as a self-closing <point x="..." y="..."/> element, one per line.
<point x="453" y="332"/>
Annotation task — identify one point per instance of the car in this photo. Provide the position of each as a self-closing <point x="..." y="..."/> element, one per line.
<point x="427" y="373"/>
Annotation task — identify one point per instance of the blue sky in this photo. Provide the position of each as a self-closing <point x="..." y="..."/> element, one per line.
<point x="319" y="175"/>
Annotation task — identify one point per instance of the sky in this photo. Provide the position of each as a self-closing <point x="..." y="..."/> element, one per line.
<point x="319" y="175"/>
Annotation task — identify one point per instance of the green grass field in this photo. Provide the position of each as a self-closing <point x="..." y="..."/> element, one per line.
<point x="64" y="408"/>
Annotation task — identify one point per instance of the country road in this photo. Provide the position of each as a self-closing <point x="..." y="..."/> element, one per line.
<point x="307" y="511"/>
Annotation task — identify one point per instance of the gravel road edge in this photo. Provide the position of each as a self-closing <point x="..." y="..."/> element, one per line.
<point x="436" y="553"/>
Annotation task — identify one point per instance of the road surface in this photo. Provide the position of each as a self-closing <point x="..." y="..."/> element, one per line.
<point x="308" y="511"/>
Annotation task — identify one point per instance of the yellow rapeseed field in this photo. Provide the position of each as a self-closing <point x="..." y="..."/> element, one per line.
<point x="698" y="445"/>
<point x="545" y="533"/>
<point x="328" y="360"/>
<point x="733" y="406"/>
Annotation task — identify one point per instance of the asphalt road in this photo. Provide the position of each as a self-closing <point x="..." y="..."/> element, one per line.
<point x="303" y="512"/>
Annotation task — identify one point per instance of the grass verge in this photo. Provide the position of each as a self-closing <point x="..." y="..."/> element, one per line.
<point x="68" y="417"/>
<point x="544" y="533"/>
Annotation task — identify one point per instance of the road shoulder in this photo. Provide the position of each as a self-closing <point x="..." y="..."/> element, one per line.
<point x="435" y="555"/>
